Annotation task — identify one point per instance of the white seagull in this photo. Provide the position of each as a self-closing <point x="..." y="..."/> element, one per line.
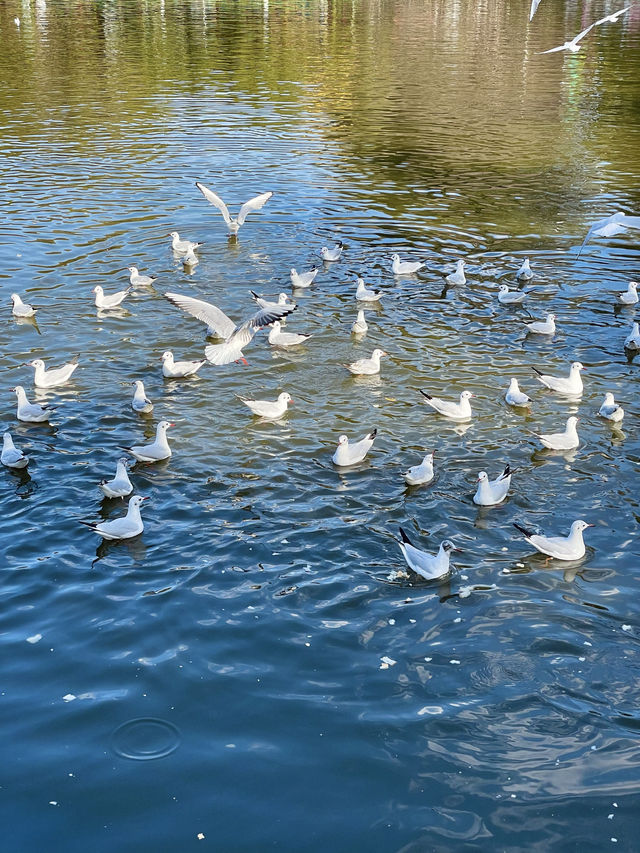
<point x="510" y="297"/>
<point x="127" y="527"/>
<point x="610" y="409"/>
<point x="572" y="45"/>
<point x="359" y="326"/>
<point x="285" y="339"/>
<point x="190" y="259"/>
<point x="428" y="566"/>
<point x="108" y="301"/>
<point x="121" y="485"/>
<point x="456" y="411"/>
<point x="609" y="227"/>
<point x="399" y="267"/>
<point x="44" y="378"/>
<point x="234" y="224"/>
<point x="630" y="295"/>
<point x="559" y="547"/>
<point x="420" y="474"/>
<point x="20" y="308"/>
<point x="457" y="277"/>
<point x="12" y="457"/>
<point x="140" y="402"/>
<point x="268" y="409"/>
<point x="570" y="385"/>
<point x="283" y="299"/>
<point x="542" y="327"/>
<point x="301" y="280"/>
<point x="182" y="247"/>
<point x="365" y="295"/>
<point x="157" y="450"/>
<point x="516" y="397"/>
<point x="525" y="272"/>
<point x="367" y="366"/>
<point x="632" y="341"/>
<point x="30" y="413"/>
<point x="137" y="279"/>
<point x="567" y="440"/>
<point x="492" y="492"/>
<point x="352" y="452"/>
<point x="331" y="254"/>
<point x="179" y="369"/>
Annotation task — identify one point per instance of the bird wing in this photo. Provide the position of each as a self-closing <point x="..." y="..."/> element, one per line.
<point x="581" y="35"/>
<point x="253" y="204"/>
<point x="205" y="312"/>
<point x="534" y="7"/>
<point x="269" y="314"/>
<point x="215" y="200"/>
<point x="553" y="50"/>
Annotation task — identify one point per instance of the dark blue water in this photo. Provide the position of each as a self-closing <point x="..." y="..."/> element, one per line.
<point x="222" y="675"/>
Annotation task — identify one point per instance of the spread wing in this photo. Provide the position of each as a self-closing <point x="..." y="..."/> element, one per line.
<point x="534" y="7"/>
<point x="215" y="200"/>
<point x="205" y="312"/>
<point x="581" y="35"/>
<point x="553" y="50"/>
<point x="253" y="204"/>
<point x="269" y="313"/>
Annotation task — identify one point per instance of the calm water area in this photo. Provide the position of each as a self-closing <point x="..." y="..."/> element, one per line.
<point x="218" y="683"/>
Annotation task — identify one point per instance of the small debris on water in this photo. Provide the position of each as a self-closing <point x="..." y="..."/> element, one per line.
<point x="387" y="662"/>
<point x="35" y="639"/>
<point x="69" y="697"/>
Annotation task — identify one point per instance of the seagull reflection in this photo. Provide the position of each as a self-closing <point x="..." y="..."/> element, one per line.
<point x="135" y="546"/>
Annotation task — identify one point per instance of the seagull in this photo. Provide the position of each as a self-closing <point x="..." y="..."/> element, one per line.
<point x="516" y="397"/>
<point x="359" y="326"/>
<point x="542" y="327"/>
<point x="510" y="297"/>
<point x="492" y="492"/>
<point x="234" y="224"/>
<point x="572" y="45"/>
<point x="428" y="566"/>
<point x="219" y="325"/>
<point x="128" y="526"/>
<point x="55" y="376"/>
<point x="613" y="17"/>
<point x="20" y="308"/>
<point x="367" y="366"/>
<point x="457" y="277"/>
<point x="190" y="259"/>
<point x="283" y="299"/>
<point x="567" y="440"/>
<point x="632" y="341"/>
<point x="456" y="411"/>
<point x="157" y="450"/>
<point x="12" y="457"/>
<point x="630" y="295"/>
<point x="112" y="301"/>
<point x="303" y="279"/>
<point x="559" y="547"/>
<point x="178" y="369"/>
<point x="420" y="474"/>
<point x="332" y="254"/>
<point x="399" y="267"/>
<point x="570" y="385"/>
<point x="140" y="403"/>
<point x="365" y="295"/>
<point x="285" y="339"/>
<point x="614" y="224"/>
<point x="350" y="453"/>
<point x="182" y="247"/>
<point x="534" y="6"/>
<point x="30" y="413"/>
<point x="525" y="271"/>
<point x="136" y="279"/>
<point x="610" y="409"/>
<point x="268" y="409"/>
<point x="121" y="485"/>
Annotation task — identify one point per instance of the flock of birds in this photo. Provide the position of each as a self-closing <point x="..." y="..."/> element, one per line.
<point x="233" y="338"/>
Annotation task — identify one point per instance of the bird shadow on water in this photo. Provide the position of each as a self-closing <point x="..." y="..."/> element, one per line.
<point x="539" y="562"/>
<point x="135" y="546"/>
<point x="25" y="485"/>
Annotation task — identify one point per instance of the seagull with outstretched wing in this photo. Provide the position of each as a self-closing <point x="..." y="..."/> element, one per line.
<point x="234" y="224"/>
<point x="614" y="224"/>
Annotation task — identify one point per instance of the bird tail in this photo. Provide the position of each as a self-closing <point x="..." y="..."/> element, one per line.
<point x="88" y="524"/>
<point x="405" y="538"/>
<point x="508" y="471"/>
<point x="372" y="434"/>
<point x="523" y="530"/>
<point x="424" y="394"/>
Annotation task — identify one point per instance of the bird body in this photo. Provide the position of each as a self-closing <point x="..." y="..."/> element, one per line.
<point x="234" y="224"/>
<point x="157" y="450"/>
<point x="525" y="273"/>
<point x="140" y="402"/>
<point x="543" y="327"/>
<point x="630" y="295"/>
<point x="268" y="409"/>
<point x="399" y="267"/>
<point x="44" y="378"/>
<point x="28" y="412"/>
<point x="492" y="492"/>
<point x="108" y="301"/>
<point x="20" y="308"/>
<point x="570" y="547"/>
<point x="120" y="486"/>
<point x="632" y="341"/>
<point x="302" y="279"/>
<point x="510" y="297"/>
<point x="428" y="566"/>
<point x="457" y="277"/>
<point x="456" y="411"/>
<point x="332" y="254"/>
<point x="516" y="397"/>
<point x="567" y="440"/>
<point x="420" y="474"/>
<point x="610" y="409"/>
<point x="571" y="385"/>
<point x="182" y="247"/>
<point x="137" y="279"/>
<point x="179" y="369"/>
<point x="359" y="326"/>
<point x="12" y="457"/>
<point x="127" y="527"/>
<point x="367" y="366"/>
<point x="352" y="452"/>
<point x="285" y="339"/>
<point x="363" y="294"/>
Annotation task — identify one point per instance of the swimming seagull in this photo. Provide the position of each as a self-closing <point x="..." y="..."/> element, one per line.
<point x="182" y="247"/>
<point x="20" y="308"/>
<point x="28" y="412"/>
<point x="510" y="297"/>
<point x="456" y="411"/>
<point x="303" y="279"/>
<point x="365" y="295"/>
<point x="128" y="526"/>
<point x="632" y="341"/>
<point x="190" y="259"/>
<point x="542" y="327"/>
<point x="561" y="548"/>
<point x="137" y="279"/>
<point x="44" y="378"/>
<point x="399" y="267"/>
<point x="332" y="254"/>
<point x="283" y="299"/>
<point x="613" y="17"/>
<point x="234" y="224"/>
<point x="219" y="325"/>
<point x="359" y="326"/>
<point x="428" y="566"/>
<point x="107" y="302"/>
<point x="525" y="271"/>
<point x="571" y="385"/>
<point x="567" y="440"/>
<point x="268" y="409"/>
<point x="367" y="366"/>
<point x="121" y="485"/>
<point x="157" y="450"/>
<point x="610" y="409"/>
<point x="630" y="295"/>
<point x="12" y="457"/>
<point x="572" y="45"/>
<point x="140" y="402"/>
<point x="420" y="474"/>
<point x="492" y="492"/>
<point x="457" y="277"/>
<point x="285" y="339"/>
<point x="350" y="453"/>
<point x="534" y="6"/>
<point x="614" y="224"/>
<point x="516" y="397"/>
<point x="179" y="369"/>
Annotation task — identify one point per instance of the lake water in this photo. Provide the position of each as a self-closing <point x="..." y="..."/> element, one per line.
<point x="217" y="683"/>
